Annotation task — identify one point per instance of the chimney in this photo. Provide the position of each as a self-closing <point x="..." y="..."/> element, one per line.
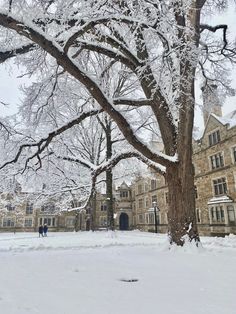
<point x="211" y="102"/>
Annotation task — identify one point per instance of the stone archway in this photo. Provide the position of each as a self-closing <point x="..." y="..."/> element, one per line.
<point x="124" y="221"/>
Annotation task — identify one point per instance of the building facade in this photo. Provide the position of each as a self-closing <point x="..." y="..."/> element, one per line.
<point x="215" y="176"/>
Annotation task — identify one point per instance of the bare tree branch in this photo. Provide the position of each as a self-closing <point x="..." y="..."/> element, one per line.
<point x="42" y="144"/>
<point x="132" y="102"/>
<point x="4" y="55"/>
<point x="213" y="29"/>
<point x="111" y="163"/>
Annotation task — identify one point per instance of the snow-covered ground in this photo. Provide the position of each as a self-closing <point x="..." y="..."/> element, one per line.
<point x="83" y="273"/>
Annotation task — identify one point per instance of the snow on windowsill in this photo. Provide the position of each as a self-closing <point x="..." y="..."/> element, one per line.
<point x="220" y="199"/>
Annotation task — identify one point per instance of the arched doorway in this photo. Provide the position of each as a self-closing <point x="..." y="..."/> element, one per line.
<point x="124" y="221"/>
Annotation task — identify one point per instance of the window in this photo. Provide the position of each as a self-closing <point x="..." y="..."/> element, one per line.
<point x="231" y="215"/>
<point x="47" y="221"/>
<point x="29" y="209"/>
<point x="195" y="191"/>
<point x="70" y="222"/>
<point x="154" y="199"/>
<point x="234" y="154"/>
<point x="124" y="194"/>
<point x="10" y="207"/>
<point x="140" y="203"/>
<point x="28" y="222"/>
<point x="217" y="214"/>
<point x="140" y="189"/>
<point x="103" y="207"/>
<point x="145" y="187"/>
<point x="140" y="219"/>
<point x="146" y="202"/>
<point x="198" y="214"/>
<point x="220" y="186"/>
<point x="214" y="138"/>
<point x="153" y="184"/>
<point x="150" y="218"/>
<point x="103" y="221"/>
<point x="217" y="161"/>
<point x="8" y="222"/>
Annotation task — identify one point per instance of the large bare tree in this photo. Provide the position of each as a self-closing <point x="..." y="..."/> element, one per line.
<point x="158" y="44"/>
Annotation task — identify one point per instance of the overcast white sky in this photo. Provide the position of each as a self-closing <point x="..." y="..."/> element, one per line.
<point x="10" y="84"/>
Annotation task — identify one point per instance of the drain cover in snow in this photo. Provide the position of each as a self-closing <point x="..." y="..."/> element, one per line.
<point x="129" y="280"/>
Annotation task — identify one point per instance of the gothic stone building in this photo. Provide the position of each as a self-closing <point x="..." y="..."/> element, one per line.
<point x="215" y="175"/>
<point x="215" y="180"/>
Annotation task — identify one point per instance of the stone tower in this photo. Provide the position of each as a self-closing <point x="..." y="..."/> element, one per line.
<point x="211" y="102"/>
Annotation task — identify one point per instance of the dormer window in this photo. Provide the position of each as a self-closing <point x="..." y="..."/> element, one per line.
<point x="214" y="138"/>
<point x="124" y="194"/>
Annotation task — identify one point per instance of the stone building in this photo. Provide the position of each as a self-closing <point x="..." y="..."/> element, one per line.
<point x="215" y="180"/>
<point x="16" y="212"/>
<point x="215" y="175"/>
<point x="150" y="192"/>
<point x="122" y="206"/>
<point x="214" y="158"/>
<point x="215" y="168"/>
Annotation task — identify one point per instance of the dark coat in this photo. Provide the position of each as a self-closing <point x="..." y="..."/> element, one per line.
<point x="40" y="229"/>
<point x="45" y="228"/>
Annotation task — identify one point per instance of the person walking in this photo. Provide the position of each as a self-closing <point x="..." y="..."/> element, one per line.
<point x="45" y="230"/>
<point x="40" y="231"/>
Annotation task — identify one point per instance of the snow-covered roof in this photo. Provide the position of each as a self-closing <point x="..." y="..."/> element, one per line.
<point x="229" y="119"/>
<point x="123" y="185"/>
<point x="220" y="199"/>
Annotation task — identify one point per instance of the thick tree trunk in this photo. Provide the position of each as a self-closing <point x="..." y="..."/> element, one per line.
<point x="181" y="214"/>
<point x="180" y="176"/>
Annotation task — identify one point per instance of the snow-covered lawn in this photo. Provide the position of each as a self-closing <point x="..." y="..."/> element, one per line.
<point x="83" y="273"/>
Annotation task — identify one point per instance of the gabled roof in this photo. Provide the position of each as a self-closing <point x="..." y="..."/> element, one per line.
<point x="228" y="120"/>
<point x="123" y="185"/>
